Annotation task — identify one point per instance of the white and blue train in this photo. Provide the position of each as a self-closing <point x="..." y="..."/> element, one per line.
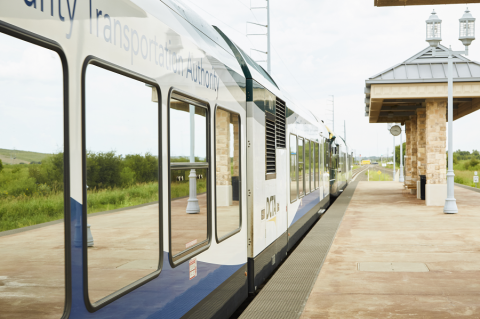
<point x="240" y="172"/>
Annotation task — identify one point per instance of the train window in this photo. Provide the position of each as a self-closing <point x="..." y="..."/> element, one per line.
<point x="316" y="165"/>
<point x="301" y="173"/>
<point x="121" y="188"/>
<point x="32" y="199"/>
<point x="312" y="166"/>
<point x="307" y="166"/>
<point x="189" y="176"/>
<point x="227" y="167"/>
<point x="293" y="168"/>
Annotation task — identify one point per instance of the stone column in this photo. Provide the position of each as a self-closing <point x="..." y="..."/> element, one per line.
<point x="408" y="149"/>
<point x="421" y="146"/>
<point x="436" y="140"/>
<point x="222" y="165"/>
<point x="412" y="158"/>
<point x="236" y="144"/>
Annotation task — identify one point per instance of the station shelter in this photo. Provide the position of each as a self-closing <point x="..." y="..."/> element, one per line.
<point x="414" y="93"/>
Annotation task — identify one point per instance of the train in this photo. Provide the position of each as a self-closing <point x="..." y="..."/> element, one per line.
<point x="184" y="174"/>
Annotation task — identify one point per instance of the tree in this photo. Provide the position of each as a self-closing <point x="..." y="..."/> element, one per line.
<point x="397" y="152"/>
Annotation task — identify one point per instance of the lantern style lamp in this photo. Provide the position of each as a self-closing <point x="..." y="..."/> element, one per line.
<point x="434" y="30"/>
<point x="467" y="29"/>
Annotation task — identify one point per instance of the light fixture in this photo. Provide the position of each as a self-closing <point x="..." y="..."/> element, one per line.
<point x="434" y="30"/>
<point x="467" y="29"/>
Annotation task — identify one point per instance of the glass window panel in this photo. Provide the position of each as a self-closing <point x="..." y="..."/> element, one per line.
<point x="307" y="166"/>
<point x="293" y="168"/>
<point x="312" y="166"/>
<point x="189" y="192"/>
<point x="121" y="131"/>
<point x="227" y="167"/>
<point x="32" y="261"/>
<point x="301" y="173"/>
<point x="317" y="166"/>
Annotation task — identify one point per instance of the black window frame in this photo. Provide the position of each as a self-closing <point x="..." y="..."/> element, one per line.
<point x="198" y="248"/>
<point x="92" y="307"/>
<point x="230" y="234"/>
<point x="44" y="42"/>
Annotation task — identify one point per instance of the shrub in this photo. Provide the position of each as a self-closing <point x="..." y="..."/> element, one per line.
<point x="50" y="172"/>
<point x="474" y="162"/>
<point x="466" y="165"/>
<point x="1" y="165"/>
<point x="144" y="167"/>
<point x="103" y="170"/>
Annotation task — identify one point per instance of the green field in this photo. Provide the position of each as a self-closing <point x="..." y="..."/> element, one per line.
<point x="464" y="172"/>
<point x="33" y="194"/>
<point x="22" y="155"/>
<point x="375" y="177"/>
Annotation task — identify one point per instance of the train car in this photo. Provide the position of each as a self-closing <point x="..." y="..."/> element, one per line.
<point x="165" y="174"/>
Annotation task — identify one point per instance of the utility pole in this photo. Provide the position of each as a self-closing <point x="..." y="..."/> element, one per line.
<point x="269" y="66"/>
<point x="267" y="26"/>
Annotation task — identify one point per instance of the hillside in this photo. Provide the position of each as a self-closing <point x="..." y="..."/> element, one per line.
<point x="21" y="156"/>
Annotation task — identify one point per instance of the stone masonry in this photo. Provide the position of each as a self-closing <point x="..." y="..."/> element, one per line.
<point x="408" y="141"/>
<point x="222" y="136"/>
<point x="412" y="153"/>
<point x="421" y="143"/>
<point x="436" y="137"/>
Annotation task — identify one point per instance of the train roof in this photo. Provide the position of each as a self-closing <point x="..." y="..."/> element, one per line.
<point x="201" y="33"/>
<point x="221" y="47"/>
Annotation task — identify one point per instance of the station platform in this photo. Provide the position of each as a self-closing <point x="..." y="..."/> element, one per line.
<point x="379" y="252"/>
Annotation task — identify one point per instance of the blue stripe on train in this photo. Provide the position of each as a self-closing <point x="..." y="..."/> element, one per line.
<point x="307" y="202"/>
<point x="170" y="295"/>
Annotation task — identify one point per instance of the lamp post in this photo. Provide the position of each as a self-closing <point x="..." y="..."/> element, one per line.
<point x="434" y="36"/>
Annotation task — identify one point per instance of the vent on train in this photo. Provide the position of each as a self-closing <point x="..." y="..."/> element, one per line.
<point x="281" y="123"/>
<point x="270" y="143"/>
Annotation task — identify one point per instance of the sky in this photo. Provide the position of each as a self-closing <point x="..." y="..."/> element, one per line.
<point x="319" y="48"/>
<point x="323" y="47"/>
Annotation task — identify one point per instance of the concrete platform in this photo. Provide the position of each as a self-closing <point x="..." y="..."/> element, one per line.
<point x="385" y="226"/>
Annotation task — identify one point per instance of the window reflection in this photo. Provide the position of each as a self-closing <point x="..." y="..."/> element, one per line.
<point x="121" y="129"/>
<point x="189" y="191"/>
<point x="32" y="260"/>
<point x="227" y="167"/>
<point x="301" y="173"/>
<point x="293" y="168"/>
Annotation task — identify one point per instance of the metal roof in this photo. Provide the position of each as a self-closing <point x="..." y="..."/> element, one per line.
<point x="424" y="67"/>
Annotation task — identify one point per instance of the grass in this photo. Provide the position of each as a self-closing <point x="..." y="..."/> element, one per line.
<point x="24" y="155"/>
<point x="375" y="177"/>
<point x="463" y="175"/>
<point x="21" y="211"/>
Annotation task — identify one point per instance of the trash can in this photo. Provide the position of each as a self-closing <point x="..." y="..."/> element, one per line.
<point x="423" y="183"/>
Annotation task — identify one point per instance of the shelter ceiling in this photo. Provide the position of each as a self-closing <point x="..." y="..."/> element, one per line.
<point x="395" y="103"/>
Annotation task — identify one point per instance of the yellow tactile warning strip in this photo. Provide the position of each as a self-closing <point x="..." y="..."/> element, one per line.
<point x="286" y="293"/>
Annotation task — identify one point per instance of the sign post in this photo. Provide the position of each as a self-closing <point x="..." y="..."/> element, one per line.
<point x="475" y="179"/>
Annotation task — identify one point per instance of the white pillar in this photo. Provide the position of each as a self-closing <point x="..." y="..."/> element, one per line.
<point x="394" y="159"/>
<point x="192" y="206"/>
<point x="401" y="178"/>
<point x="450" y="203"/>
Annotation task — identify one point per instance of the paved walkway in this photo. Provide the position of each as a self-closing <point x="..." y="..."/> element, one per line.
<point x="393" y="257"/>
